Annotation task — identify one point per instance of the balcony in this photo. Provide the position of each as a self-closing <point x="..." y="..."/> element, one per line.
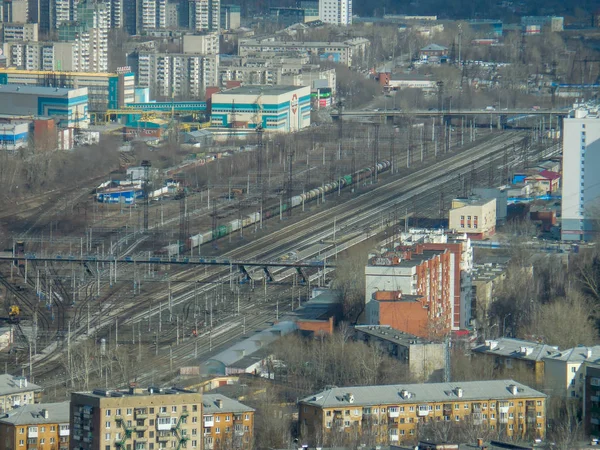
<point x="141" y="427"/>
<point x="163" y="438"/>
<point x="141" y="416"/>
<point x="394" y="412"/>
<point x="394" y="438"/>
<point x="209" y="421"/>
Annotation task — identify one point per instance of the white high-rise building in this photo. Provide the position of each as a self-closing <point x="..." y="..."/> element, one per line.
<point x="336" y="12"/>
<point x="581" y="173"/>
<point x="205" y="15"/>
<point x="177" y="74"/>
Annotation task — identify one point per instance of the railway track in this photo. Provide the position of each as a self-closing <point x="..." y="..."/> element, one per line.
<point x="318" y="224"/>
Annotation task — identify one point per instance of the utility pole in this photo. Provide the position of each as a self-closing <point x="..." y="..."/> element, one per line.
<point x="146" y="165"/>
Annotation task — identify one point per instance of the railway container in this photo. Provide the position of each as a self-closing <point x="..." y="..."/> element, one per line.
<point x="206" y="237"/>
<point x="296" y="200"/>
<point x="172" y="250"/>
<point x="235" y="224"/>
<point x="254" y="217"/>
<point x="221" y="231"/>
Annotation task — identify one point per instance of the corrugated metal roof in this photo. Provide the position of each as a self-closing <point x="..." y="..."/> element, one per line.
<point x="259" y="340"/>
<point x="34" y="415"/>
<point x="577" y="354"/>
<point x="209" y="405"/>
<point x="517" y="348"/>
<point x="10" y="384"/>
<point x="420" y="393"/>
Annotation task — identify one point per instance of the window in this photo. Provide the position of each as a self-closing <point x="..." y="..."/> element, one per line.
<point x="329" y="424"/>
<point x="402" y="409"/>
<point x="573" y="370"/>
<point x="539" y="425"/>
<point x="174" y="409"/>
<point x="42" y="429"/>
<point x="53" y="428"/>
<point x="328" y="413"/>
<point x="511" y="427"/>
<point x="129" y="411"/>
<point x="247" y="416"/>
<point x="194" y="444"/>
<point x="539" y="414"/>
<point x="21" y="443"/>
<point x="42" y="441"/>
<point x="485" y="405"/>
<point x="347" y="412"/>
<point x="107" y="425"/>
<point x="493" y="416"/>
<point x="21" y="430"/>
<point x="108" y="413"/>
<point x="511" y="404"/>
<point x="411" y="408"/>
<point x="492" y="405"/>
<point x="227" y="418"/>
<point x="52" y="440"/>
<point x="511" y="415"/>
<point x="163" y="409"/>
<point x="151" y="410"/>
<point x="118" y="412"/>
<point x="466" y="406"/>
<point x="456" y="406"/>
<point x="346" y="423"/>
<point x="437" y="407"/>
<point x="217" y="418"/>
<point x="457" y="418"/>
<point x="107" y="436"/>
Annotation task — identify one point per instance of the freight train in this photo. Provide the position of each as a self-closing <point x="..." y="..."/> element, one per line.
<point x="297" y="200"/>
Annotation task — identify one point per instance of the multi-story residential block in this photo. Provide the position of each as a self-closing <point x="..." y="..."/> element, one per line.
<point x="44" y="426"/>
<point x="486" y="280"/>
<point x="105" y="90"/>
<point x="392" y="413"/>
<point x="591" y="398"/>
<point x="201" y="44"/>
<point x="418" y="282"/>
<point x="115" y="13"/>
<point x="12" y="32"/>
<point x="172" y="12"/>
<point x="461" y="250"/>
<point x="137" y="419"/>
<point x="564" y="371"/>
<point x="176" y="74"/>
<point x="553" y="23"/>
<point x="525" y="357"/>
<point x="230" y="17"/>
<point x="226" y="423"/>
<point x="336" y="12"/>
<point x="351" y="52"/>
<point x="204" y="15"/>
<point x="16" y="392"/>
<point x="581" y="186"/>
<point x="14" y="11"/>
<point x="425" y="359"/>
<point x="474" y="216"/>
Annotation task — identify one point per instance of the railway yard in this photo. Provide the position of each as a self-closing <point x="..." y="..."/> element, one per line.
<point x="114" y="302"/>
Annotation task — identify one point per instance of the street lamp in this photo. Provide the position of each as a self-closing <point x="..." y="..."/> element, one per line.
<point x="504" y="323"/>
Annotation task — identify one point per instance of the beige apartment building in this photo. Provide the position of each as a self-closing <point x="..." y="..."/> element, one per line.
<point x="17" y="391"/>
<point x="136" y="419"/>
<point x="392" y="413"/>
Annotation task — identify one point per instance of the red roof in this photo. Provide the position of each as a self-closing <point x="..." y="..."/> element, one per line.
<point x="548" y="174"/>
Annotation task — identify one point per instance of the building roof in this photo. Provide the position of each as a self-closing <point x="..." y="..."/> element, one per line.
<point x="433" y="47"/>
<point x="549" y="174"/>
<point x="210" y="405"/>
<point x="251" y="345"/>
<point x="133" y="392"/>
<point x="516" y="348"/>
<point x="420" y="393"/>
<point x="10" y="384"/>
<point x="261" y="89"/>
<point x="34" y="414"/>
<point x="321" y="306"/>
<point x="58" y="73"/>
<point x="34" y="90"/>
<point x="387" y="333"/>
<point x="577" y="354"/>
<point x="472" y="201"/>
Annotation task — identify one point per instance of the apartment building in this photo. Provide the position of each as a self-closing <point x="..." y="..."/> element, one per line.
<point x="16" y="392"/>
<point x="51" y="56"/>
<point x="351" y="52"/>
<point x="136" y="418"/>
<point x="226" y="423"/>
<point x="581" y="179"/>
<point x="12" y="32"/>
<point x="508" y="354"/>
<point x="392" y="413"/>
<point x="230" y="17"/>
<point x="461" y="250"/>
<point x="176" y="74"/>
<point x="14" y="11"/>
<point x="336" y="12"/>
<point x="204" y="15"/>
<point x="564" y="371"/>
<point x="201" y="44"/>
<point x="415" y="286"/>
<point x="44" y="426"/>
